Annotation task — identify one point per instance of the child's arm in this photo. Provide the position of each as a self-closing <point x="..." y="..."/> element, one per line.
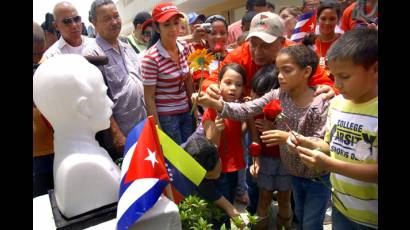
<point x="236" y="111"/>
<point x="321" y="161"/>
<point x="254" y="170"/>
<point x="227" y="206"/>
<point x="213" y="129"/>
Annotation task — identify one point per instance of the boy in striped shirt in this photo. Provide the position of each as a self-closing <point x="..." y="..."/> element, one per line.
<point x="350" y="148"/>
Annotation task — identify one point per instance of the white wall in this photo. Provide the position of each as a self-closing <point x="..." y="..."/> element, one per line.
<point x="129" y="8"/>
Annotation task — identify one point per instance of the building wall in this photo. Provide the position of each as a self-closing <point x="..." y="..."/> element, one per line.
<point x="232" y="10"/>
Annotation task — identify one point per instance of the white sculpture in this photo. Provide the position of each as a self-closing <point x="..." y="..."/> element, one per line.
<point x="70" y="92"/>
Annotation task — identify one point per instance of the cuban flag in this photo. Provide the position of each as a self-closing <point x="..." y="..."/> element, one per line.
<point x="143" y="174"/>
<point x="306" y="24"/>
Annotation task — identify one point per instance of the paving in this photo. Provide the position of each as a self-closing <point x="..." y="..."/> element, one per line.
<point x="272" y="218"/>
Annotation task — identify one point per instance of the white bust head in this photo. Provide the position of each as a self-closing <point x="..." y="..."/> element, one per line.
<point x="70" y="92"/>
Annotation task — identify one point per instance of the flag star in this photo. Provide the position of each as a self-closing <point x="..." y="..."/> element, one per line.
<point x="311" y="26"/>
<point x="151" y="157"/>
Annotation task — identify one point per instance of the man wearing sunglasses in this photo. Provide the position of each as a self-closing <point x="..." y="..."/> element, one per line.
<point x="68" y="23"/>
<point x="142" y="31"/>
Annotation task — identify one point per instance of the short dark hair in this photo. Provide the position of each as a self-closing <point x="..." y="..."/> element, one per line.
<point x="215" y="18"/>
<point x="329" y="4"/>
<point x="141" y="17"/>
<point x="303" y="56"/>
<point x="265" y="79"/>
<point x="271" y="5"/>
<point x="359" y="45"/>
<point x="203" y="151"/>
<point x="92" y="14"/>
<point x="235" y="67"/>
<point x="247" y="18"/>
<point x="251" y="3"/>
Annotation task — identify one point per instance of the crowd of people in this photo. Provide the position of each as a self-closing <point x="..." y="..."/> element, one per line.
<point x="296" y="118"/>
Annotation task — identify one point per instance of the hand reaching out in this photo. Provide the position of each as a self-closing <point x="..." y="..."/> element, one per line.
<point x="219" y="122"/>
<point x="274" y="137"/>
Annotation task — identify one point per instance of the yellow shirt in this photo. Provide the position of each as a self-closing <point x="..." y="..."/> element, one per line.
<point x="352" y="134"/>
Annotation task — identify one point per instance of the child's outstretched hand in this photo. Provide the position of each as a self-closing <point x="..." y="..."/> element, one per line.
<point x="293" y="141"/>
<point x="219" y="123"/>
<point x="207" y="100"/>
<point x="314" y="159"/>
<point x="274" y="137"/>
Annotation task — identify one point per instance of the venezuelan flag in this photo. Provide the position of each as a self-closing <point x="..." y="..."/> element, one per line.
<point x="184" y="172"/>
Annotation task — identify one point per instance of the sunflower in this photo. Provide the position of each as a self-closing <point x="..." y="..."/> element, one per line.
<point x="200" y="60"/>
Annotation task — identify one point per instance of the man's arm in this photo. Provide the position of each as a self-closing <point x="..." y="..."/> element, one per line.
<point x="118" y="137"/>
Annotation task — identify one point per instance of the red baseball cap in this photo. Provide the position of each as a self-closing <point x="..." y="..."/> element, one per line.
<point x="164" y="11"/>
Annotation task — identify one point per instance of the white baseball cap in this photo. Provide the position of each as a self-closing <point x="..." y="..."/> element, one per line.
<point x="266" y="26"/>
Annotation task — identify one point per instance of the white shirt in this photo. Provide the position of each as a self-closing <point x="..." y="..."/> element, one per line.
<point x="62" y="47"/>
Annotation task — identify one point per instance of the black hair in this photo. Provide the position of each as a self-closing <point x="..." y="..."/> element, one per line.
<point x="303" y="56"/>
<point x="155" y="36"/>
<point x="329" y="4"/>
<point x="359" y="45"/>
<point x="247" y="18"/>
<point x="235" y="67"/>
<point x="265" y="79"/>
<point x="251" y="3"/>
<point x="310" y="38"/>
<point x="47" y="25"/>
<point x="92" y="14"/>
<point x="141" y="17"/>
<point x="271" y="5"/>
<point x="216" y="18"/>
<point x="84" y="29"/>
<point x="203" y="151"/>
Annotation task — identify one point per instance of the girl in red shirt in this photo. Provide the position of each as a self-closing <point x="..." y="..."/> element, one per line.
<point x="227" y="133"/>
<point x="328" y="15"/>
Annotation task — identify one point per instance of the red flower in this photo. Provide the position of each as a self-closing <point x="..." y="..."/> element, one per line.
<point x="272" y="109"/>
<point x="218" y="47"/>
<point x="255" y="149"/>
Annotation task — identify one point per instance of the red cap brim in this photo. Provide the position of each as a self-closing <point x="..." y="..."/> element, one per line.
<point x="165" y="17"/>
<point x="146" y="23"/>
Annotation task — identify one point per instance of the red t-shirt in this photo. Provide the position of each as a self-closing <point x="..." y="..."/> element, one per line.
<point x="347" y="22"/>
<point x="267" y="151"/>
<point x="230" y="145"/>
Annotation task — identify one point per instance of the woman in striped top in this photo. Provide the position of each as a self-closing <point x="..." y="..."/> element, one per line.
<point x="167" y="82"/>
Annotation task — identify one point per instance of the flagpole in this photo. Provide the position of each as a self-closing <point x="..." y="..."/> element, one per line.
<point x="170" y="195"/>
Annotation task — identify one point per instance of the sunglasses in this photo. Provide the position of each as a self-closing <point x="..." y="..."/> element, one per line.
<point x="216" y="17"/>
<point x="68" y="21"/>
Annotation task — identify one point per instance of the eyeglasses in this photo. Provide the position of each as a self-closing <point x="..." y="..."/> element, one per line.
<point x="68" y="21"/>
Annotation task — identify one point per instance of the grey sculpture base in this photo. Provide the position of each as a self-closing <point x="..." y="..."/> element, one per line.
<point x="84" y="220"/>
